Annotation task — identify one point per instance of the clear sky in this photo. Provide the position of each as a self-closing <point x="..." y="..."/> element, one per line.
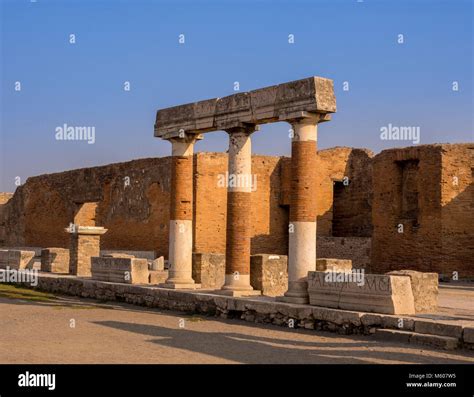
<point x="407" y="83"/>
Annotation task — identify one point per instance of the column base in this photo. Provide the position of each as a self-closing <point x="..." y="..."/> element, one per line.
<point x="237" y="293"/>
<point x="180" y="286"/>
<point x="301" y="300"/>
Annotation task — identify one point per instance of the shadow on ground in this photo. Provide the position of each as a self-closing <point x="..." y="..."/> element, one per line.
<point x="250" y="349"/>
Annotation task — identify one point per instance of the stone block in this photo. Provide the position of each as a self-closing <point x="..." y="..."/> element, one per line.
<point x="424" y="287"/>
<point x="390" y="335"/>
<point x="209" y="270"/>
<point x="442" y="342"/>
<point x="158" y="276"/>
<point x="333" y="265"/>
<point x="158" y="264"/>
<point x="386" y="294"/>
<point x="16" y="259"/>
<point x="435" y="328"/>
<point x="120" y="270"/>
<point x="269" y="274"/>
<point x="468" y="335"/>
<point x="55" y="260"/>
<point x="150" y="255"/>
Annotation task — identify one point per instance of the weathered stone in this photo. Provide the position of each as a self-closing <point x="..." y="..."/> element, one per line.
<point x="150" y="255"/>
<point x="55" y="260"/>
<point x="390" y="335"/>
<point x="376" y="293"/>
<point x="443" y="342"/>
<point x="158" y="276"/>
<point x="436" y="328"/>
<point x="333" y="265"/>
<point x="402" y="323"/>
<point x="209" y="270"/>
<point x="269" y="104"/>
<point x="468" y="335"/>
<point x="85" y="243"/>
<point x="269" y="273"/>
<point x="424" y="287"/>
<point x="371" y="319"/>
<point x="16" y="259"/>
<point x="120" y="270"/>
<point x="158" y="264"/>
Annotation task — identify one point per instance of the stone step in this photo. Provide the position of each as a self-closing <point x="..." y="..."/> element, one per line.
<point x="438" y="341"/>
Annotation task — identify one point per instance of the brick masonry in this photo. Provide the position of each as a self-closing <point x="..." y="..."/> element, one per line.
<point x="134" y="205"/>
<point x="429" y="190"/>
<point x="238" y="233"/>
<point x="181" y="188"/>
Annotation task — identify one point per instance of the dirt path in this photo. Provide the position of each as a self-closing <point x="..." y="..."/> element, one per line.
<point x="38" y="328"/>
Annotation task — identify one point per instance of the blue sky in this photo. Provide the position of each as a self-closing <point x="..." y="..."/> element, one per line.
<point x="81" y="84"/>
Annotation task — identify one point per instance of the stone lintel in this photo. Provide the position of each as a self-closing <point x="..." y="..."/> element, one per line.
<point x="89" y="230"/>
<point x="265" y="105"/>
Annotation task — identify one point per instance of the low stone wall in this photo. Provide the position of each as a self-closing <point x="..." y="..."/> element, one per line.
<point x="357" y="249"/>
<point x="260" y="310"/>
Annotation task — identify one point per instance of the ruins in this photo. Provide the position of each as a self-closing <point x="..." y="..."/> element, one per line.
<point x="277" y="226"/>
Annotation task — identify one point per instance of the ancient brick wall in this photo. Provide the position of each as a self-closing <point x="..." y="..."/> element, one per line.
<point x="356" y="249"/>
<point x="269" y="219"/>
<point x="421" y="220"/>
<point x="457" y="211"/>
<point x="133" y="202"/>
<point x="344" y="173"/>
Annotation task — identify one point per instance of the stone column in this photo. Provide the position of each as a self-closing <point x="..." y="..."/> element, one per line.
<point x="238" y="228"/>
<point x="181" y="213"/>
<point x="85" y="243"/>
<point x="302" y="228"/>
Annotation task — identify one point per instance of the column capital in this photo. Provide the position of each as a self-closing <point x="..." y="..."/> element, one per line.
<point x="242" y="128"/>
<point x="305" y="118"/>
<point x="182" y="136"/>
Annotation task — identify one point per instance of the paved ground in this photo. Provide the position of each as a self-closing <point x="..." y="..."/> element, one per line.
<point x="36" y="328"/>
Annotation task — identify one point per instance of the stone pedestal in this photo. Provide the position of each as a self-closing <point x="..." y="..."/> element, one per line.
<point x="238" y="228"/>
<point x="181" y="213"/>
<point x="85" y="243"/>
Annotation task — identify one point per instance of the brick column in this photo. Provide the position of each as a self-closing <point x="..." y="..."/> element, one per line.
<point x="302" y="228"/>
<point x="181" y="214"/>
<point x="238" y="228"/>
<point x="85" y="243"/>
